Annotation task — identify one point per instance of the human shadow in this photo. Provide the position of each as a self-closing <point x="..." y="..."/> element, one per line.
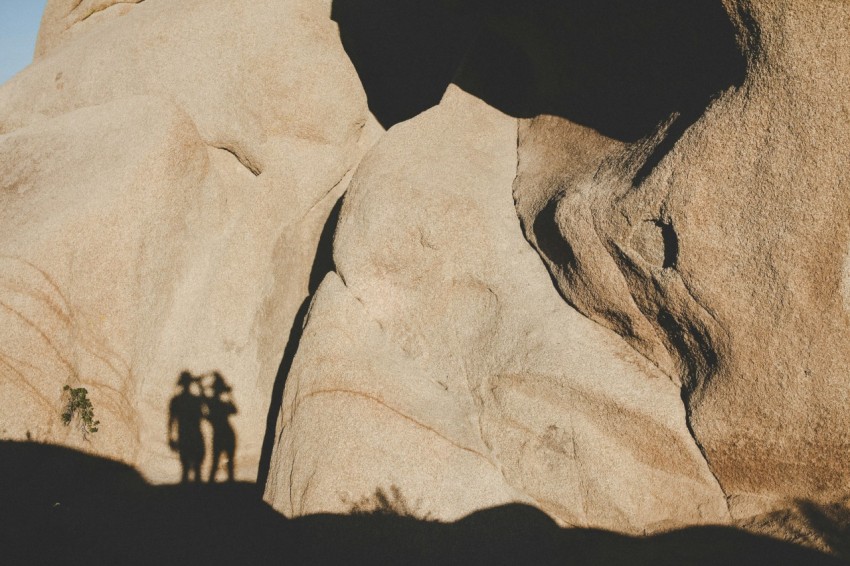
<point x="60" y="506"/>
<point x="185" y="413"/>
<point x="620" y="67"/>
<point x="219" y="407"/>
<point x="202" y="397"/>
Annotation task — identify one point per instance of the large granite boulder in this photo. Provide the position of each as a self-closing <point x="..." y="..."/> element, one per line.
<point x="724" y="261"/>
<point x="592" y="256"/>
<point x="440" y="365"/>
<point x="167" y="169"/>
<point x="681" y="172"/>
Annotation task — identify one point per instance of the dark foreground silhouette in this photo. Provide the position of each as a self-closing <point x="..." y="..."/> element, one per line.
<point x="58" y="506"/>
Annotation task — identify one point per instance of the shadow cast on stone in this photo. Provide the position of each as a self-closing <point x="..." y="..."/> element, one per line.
<point x="185" y="414"/>
<point x="830" y="522"/>
<point x="219" y="407"/>
<point x="405" y="51"/>
<point x="60" y="506"/>
<point x="620" y="67"/>
<point x="194" y="402"/>
<point x="322" y="265"/>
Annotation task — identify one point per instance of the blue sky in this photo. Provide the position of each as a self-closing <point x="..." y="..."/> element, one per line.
<point x="19" y="21"/>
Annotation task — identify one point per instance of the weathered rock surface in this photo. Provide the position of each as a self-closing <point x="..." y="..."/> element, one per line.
<point x="725" y="264"/>
<point x="603" y="273"/>
<point x="681" y="183"/>
<point x="460" y="381"/>
<point x="166" y="173"/>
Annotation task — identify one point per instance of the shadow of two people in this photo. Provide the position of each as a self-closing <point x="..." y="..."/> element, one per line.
<point x="197" y="399"/>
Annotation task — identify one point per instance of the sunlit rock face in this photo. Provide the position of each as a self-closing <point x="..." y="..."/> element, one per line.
<point x="723" y="263"/>
<point x="592" y="256"/>
<point x="166" y="171"/>
<point x="680" y="171"/>
<point x="440" y="360"/>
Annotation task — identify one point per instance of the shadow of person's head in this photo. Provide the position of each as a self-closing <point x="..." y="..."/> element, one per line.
<point x="188" y="384"/>
<point x="184" y="380"/>
<point x="219" y="386"/>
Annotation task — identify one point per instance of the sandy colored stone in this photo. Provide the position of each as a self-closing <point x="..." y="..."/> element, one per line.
<point x="726" y="265"/>
<point x="703" y="222"/>
<point x="462" y="381"/>
<point x="64" y="19"/>
<point x="606" y="275"/>
<point x="166" y="174"/>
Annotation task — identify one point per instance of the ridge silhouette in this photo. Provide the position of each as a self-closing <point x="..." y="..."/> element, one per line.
<point x="60" y="506"/>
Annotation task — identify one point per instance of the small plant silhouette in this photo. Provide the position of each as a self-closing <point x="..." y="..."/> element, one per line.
<point x="392" y="503"/>
<point x="79" y="404"/>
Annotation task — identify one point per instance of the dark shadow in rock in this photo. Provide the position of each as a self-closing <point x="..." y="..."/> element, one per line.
<point x="550" y="241"/>
<point x="322" y="265"/>
<point x="324" y="261"/>
<point x="830" y="522"/>
<point x="620" y="67"/>
<point x="277" y="393"/>
<point x="405" y="51"/>
<point x="617" y="66"/>
<point x="64" y="507"/>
